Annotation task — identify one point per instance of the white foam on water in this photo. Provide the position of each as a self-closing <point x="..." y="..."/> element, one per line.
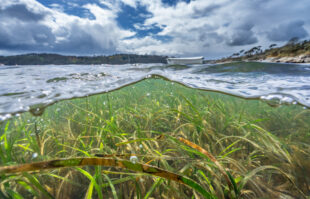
<point x="24" y="87"/>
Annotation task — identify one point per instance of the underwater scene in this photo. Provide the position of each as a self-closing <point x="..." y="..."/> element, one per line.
<point x="237" y="130"/>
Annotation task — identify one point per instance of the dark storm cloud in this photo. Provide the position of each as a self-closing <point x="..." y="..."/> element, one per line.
<point x="21" y="12"/>
<point x="242" y="35"/>
<point x="25" y="30"/>
<point x="209" y="39"/>
<point x="37" y="37"/>
<point x="206" y="11"/>
<point x="210" y="36"/>
<point x="195" y="27"/>
<point x="20" y="29"/>
<point x="26" y="36"/>
<point x="285" y="32"/>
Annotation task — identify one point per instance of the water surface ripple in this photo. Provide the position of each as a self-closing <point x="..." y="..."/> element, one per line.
<point x="25" y="87"/>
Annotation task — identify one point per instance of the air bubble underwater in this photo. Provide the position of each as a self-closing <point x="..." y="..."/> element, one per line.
<point x="34" y="155"/>
<point x="37" y="111"/>
<point x="133" y="159"/>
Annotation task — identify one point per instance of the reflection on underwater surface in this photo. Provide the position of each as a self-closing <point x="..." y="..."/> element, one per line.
<point x="253" y="150"/>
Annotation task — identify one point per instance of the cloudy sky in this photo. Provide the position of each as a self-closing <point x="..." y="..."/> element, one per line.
<point x="165" y="27"/>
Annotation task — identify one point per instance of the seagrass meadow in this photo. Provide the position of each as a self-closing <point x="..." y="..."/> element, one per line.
<point x="157" y="139"/>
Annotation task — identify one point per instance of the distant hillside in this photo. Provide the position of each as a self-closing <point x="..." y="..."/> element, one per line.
<point x="292" y="52"/>
<point x="41" y="59"/>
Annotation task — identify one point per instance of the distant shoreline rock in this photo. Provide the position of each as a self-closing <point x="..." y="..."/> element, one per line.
<point x="304" y="58"/>
<point x="297" y="59"/>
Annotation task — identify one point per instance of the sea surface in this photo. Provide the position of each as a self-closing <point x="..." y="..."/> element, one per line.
<point x="31" y="88"/>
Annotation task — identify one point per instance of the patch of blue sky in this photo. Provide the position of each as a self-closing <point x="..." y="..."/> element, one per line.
<point x="150" y="30"/>
<point x="163" y="38"/>
<point x="73" y="7"/>
<point x="130" y="16"/>
<point x="174" y="2"/>
<point x="133" y="19"/>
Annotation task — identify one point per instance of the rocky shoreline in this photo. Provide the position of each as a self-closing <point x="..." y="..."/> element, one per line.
<point x="297" y="59"/>
<point x="304" y="58"/>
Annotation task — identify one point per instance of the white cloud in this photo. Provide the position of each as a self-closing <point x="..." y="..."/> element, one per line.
<point x="201" y="27"/>
<point x="52" y="30"/>
<point x="287" y="30"/>
<point x="57" y="7"/>
<point x="209" y="27"/>
<point x="132" y="3"/>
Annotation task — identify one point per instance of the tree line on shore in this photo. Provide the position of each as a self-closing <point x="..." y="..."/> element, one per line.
<point x="56" y="59"/>
<point x="293" y="48"/>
